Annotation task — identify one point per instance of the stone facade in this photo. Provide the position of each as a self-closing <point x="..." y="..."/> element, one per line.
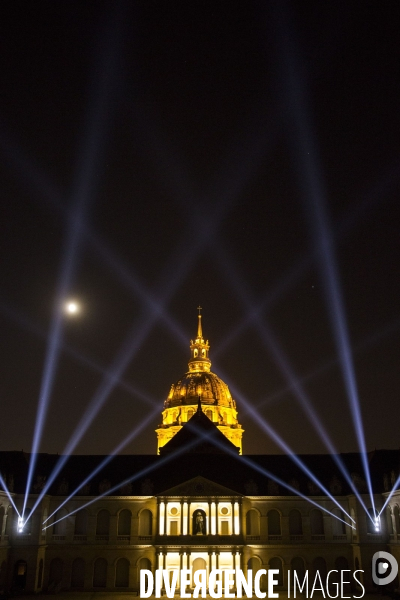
<point x="104" y="544"/>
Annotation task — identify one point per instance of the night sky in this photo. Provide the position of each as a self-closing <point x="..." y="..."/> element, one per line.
<point x="172" y="154"/>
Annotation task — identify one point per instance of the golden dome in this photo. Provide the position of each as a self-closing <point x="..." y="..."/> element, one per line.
<point x="199" y="383"/>
<point x="210" y="388"/>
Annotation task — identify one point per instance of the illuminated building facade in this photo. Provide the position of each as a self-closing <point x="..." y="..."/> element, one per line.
<point x="196" y="505"/>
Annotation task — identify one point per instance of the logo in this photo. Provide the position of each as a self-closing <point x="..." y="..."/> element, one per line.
<point x="384" y="568"/>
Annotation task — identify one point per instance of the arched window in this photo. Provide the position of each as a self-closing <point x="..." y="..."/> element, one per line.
<point x="252" y="522"/>
<point x="317" y="522"/>
<point x="274" y="523"/>
<point x="338" y="526"/>
<point x="56" y="572"/>
<point x="60" y="522"/>
<point x="145" y="522"/>
<point x="209" y="414"/>
<point x="297" y="566"/>
<point x="189" y="414"/>
<point x="100" y="573"/>
<point x="81" y="522"/>
<point x="295" y="522"/>
<point x="124" y="522"/>
<point x="276" y="563"/>
<point x="319" y="565"/>
<point x="144" y="563"/>
<point x="122" y="573"/>
<point x="78" y="573"/>
<point x="103" y="523"/>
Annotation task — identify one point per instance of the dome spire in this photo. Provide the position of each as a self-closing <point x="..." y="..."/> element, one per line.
<point x="199" y="328"/>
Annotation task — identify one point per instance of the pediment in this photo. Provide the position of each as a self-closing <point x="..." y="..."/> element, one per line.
<point x="199" y="487"/>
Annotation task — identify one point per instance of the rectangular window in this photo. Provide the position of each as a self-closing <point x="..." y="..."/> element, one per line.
<point x="224" y="527"/>
<point x="173" y="528"/>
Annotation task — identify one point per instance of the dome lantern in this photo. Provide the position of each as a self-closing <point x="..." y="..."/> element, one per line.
<point x="199" y="360"/>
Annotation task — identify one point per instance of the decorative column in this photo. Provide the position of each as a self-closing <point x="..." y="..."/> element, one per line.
<point x="213" y="520"/>
<point x="232" y="518"/>
<point x="217" y="517"/>
<point x="185" y="519"/>
<point x="188" y="520"/>
<point x="236" y="519"/>
<point x="181" y="525"/>
<point x="161" y="518"/>
<point x="209" y="518"/>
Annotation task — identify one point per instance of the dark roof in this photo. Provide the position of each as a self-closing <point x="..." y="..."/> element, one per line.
<point x="199" y="436"/>
<point x="151" y="474"/>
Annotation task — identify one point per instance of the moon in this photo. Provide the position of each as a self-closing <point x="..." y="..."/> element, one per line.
<point x="72" y="307"/>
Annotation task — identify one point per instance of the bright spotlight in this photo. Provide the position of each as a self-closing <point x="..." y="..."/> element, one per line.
<point x="377" y="523"/>
<point x="72" y="307"/>
<point x="21" y="525"/>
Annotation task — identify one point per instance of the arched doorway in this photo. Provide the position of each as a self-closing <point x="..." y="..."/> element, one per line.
<point x="100" y="573"/>
<point x="198" y="565"/>
<point x="122" y="573"/>
<point x="78" y="573"/>
<point x="20" y="570"/>
<point x="297" y="566"/>
<point x="56" y="572"/>
<point x="40" y="575"/>
<point x="276" y="563"/>
<point x="3" y="574"/>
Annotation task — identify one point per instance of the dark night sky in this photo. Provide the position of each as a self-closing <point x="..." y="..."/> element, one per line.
<point x="183" y="131"/>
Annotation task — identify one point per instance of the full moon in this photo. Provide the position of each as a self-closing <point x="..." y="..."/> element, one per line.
<point x="72" y="308"/>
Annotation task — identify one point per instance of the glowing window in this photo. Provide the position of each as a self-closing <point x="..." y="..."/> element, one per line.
<point x="224" y="527"/>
